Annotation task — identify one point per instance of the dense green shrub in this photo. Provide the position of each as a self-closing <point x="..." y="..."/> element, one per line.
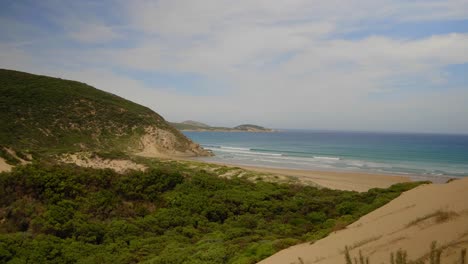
<point x="66" y="214"/>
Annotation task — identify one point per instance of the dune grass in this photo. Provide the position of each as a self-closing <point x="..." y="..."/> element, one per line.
<point x="401" y="257"/>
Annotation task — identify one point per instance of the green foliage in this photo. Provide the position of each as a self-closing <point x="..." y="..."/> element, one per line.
<point x="67" y="214"/>
<point x="52" y="115"/>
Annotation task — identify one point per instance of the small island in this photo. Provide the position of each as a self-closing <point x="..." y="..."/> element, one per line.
<point x="190" y="125"/>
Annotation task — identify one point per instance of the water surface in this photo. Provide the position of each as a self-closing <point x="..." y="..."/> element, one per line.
<point x="429" y="155"/>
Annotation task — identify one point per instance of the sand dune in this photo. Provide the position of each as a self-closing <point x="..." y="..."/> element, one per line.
<point x="411" y="221"/>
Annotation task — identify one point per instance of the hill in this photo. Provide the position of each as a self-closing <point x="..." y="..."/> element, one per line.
<point x="195" y="123"/>
<point x="198" y="126"/>
<point x="251" y="128"/>
<point x="45" y="115"/>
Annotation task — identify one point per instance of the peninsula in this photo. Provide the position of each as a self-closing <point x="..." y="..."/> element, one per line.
<point x="190" y="125"/>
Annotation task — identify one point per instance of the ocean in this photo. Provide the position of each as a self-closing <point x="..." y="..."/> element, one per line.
<point x="431" y="156"/>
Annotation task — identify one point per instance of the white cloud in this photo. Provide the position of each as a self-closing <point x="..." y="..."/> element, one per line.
<point x="188" y="18"/>
<point x="277" y="63"/>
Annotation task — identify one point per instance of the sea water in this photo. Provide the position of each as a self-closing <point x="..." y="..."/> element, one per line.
<point x="424" y="155"/>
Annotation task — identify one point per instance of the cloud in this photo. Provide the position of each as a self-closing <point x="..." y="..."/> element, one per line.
<point x="277" y="63"/>
<point x="93" y="33"/>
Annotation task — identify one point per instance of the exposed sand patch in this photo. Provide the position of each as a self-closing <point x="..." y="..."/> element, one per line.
<point x="89" y="161"/>
<point x="161" y="143"/>
<point x="4" y="166"/>
<point x="411" y="222"/>
<point x="13" y="153"/>
<point x="155" y="142"/>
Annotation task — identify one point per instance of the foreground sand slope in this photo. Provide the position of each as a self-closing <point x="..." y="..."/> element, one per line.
<point x="411" y="221"/>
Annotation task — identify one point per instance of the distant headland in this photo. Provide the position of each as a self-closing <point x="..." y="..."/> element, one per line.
<point x="190" y="125"/>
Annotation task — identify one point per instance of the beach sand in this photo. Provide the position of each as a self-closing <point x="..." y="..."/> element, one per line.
<point x="411" y="222"/>
<point x="350" y="181"/>
<point x="338" y="180"/>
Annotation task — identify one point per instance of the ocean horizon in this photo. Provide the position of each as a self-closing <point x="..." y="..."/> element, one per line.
<point x="419" y="155"/>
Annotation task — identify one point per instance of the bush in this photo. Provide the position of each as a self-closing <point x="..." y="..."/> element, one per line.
<point x="65" y="214"/>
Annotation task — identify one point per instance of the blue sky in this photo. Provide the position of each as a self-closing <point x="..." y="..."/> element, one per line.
<point x="347" y="65"/>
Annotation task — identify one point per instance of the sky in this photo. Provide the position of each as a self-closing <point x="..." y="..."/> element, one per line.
<point x="373" y="65"/>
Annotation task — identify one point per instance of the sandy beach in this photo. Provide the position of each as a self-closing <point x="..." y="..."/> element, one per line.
<point x="350" y="181"/>
<point x="411" y="222"/>
<point x="338" y="180"/>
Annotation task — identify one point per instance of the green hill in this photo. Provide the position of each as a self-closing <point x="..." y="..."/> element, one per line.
<point x="52" y="115"/>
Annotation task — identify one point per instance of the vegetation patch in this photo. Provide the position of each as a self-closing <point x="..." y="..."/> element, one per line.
<point x="167" y="214"/>
<point x="364" y="242"/>
<point x="53" y="116"/>
<point x="434" y="256"/>
<point x="8" y="157"/>
<point x="439" y="216"/>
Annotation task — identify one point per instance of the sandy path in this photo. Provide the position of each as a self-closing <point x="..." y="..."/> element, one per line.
<point x="388" y="229"/>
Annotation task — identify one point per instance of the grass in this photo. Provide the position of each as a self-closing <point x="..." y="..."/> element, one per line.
<point x="439" y="216"/>
<point x="434" y="256"/>
<point x="363" y="242"/>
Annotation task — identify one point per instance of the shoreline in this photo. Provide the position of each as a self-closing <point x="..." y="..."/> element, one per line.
<point x="337" y="180"/>
<point x="348" y="181"/>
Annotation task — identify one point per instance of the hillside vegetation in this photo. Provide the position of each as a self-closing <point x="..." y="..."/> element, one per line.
<point x="49" y="115"/>
<point x="67" y="214"/>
